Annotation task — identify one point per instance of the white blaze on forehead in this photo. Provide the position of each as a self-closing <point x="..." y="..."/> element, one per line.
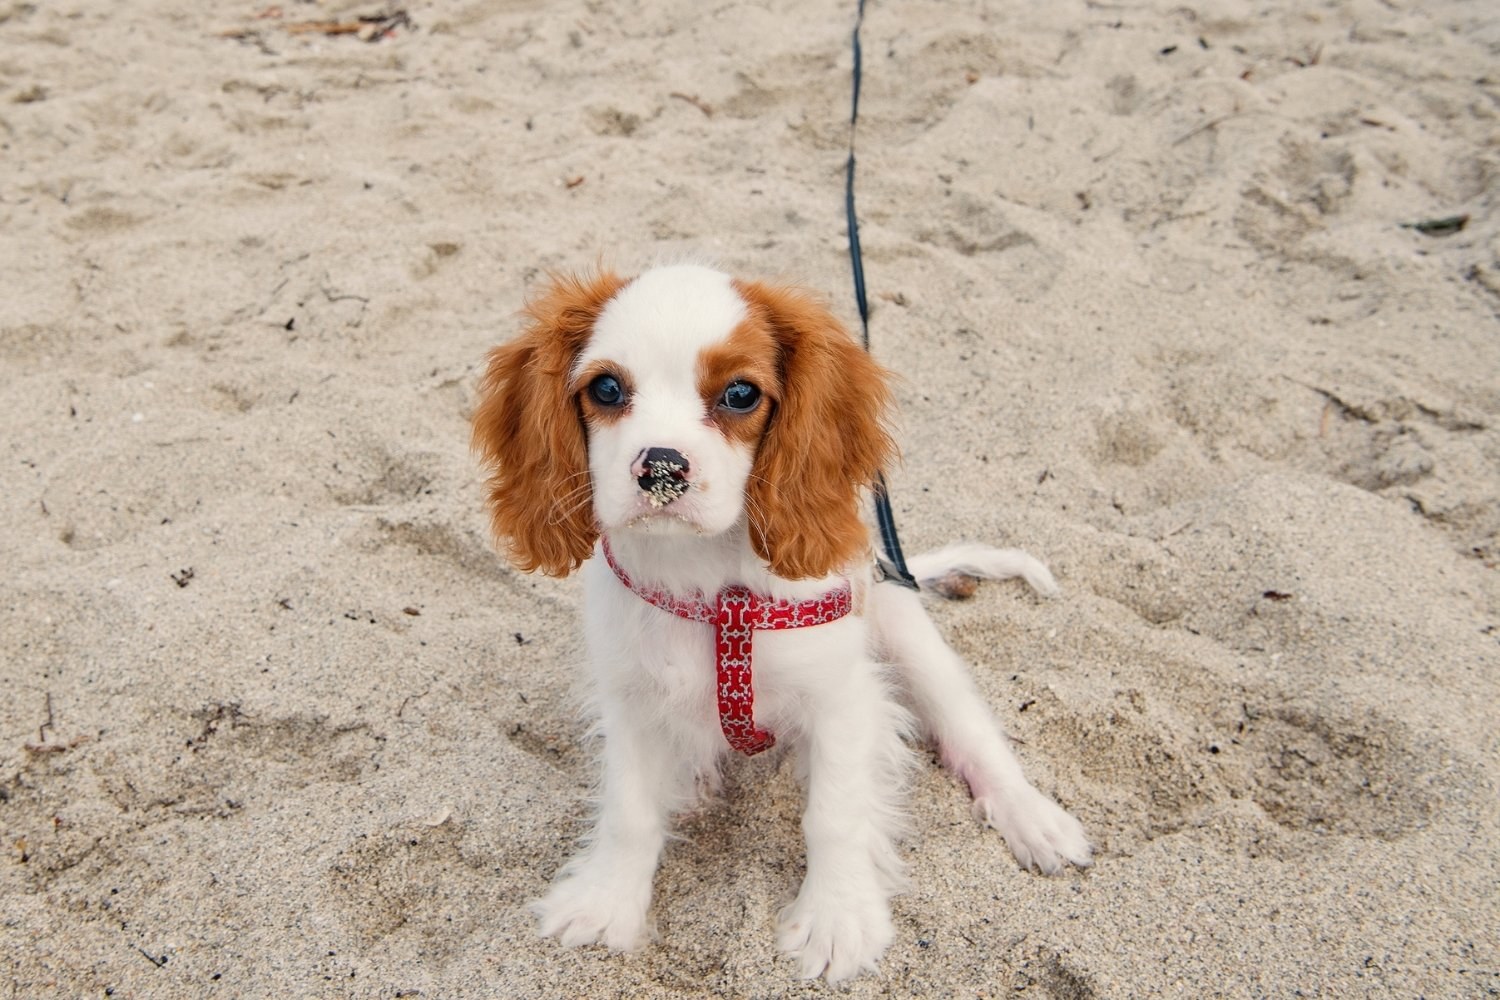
<point x="664" y="318"/>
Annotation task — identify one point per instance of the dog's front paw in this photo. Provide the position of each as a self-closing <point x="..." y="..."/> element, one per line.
<point x="834" y="934"/>
<point x="1039" y="832"/>
<point x="581" y="910"/>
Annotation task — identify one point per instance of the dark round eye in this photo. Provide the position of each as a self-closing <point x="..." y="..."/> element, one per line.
<point x="606" y="390"/>
<point x="740" y="397"/>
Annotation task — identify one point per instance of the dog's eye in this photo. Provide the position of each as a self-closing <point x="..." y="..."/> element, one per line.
<point x="740" y="397"/>
<point x="606" y="390"/>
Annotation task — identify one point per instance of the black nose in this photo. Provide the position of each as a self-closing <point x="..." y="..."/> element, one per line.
<point x="664" y="475"/>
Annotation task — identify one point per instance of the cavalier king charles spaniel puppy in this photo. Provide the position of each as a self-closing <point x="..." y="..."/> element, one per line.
<point x="698" y="445"/>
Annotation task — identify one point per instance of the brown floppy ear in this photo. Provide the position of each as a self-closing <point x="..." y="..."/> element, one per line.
<point x="529" y="433"/>
<point x="825" y="442"/>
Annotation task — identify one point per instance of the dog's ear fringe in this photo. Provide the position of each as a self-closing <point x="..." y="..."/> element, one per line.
<point x="826" y="442"/>
<point x="529" y="434"/>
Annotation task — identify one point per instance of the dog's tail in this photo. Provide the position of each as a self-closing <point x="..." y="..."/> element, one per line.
<point x="953" y="570"/>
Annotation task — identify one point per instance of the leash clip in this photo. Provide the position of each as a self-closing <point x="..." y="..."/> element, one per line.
<point x="888" y="572"/>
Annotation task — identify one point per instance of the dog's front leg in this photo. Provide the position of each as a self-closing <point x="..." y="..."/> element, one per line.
<point x="602" y="895"/>
<point x="855" y="761"/>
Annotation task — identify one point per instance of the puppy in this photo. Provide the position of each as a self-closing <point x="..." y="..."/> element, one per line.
<point x="698" y="446"/>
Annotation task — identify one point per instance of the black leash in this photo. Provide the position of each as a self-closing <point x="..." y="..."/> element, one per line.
<point x="893" y="566"/>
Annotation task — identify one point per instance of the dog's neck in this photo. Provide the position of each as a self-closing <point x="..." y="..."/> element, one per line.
<point x="688" y="564"/>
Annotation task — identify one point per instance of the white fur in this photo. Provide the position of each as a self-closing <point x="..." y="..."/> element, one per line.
<point x="824" y="691"/>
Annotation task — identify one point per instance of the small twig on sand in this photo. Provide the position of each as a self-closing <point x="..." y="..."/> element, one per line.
<point x="409" y="699"/>
<point x="1209" y="125"/>
<point x="369" y="27"/>
<point x="41" y="731"/>
<point x="695" y="101"/>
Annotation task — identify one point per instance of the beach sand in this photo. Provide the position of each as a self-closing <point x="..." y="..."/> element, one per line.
<point x="275" y="719"/>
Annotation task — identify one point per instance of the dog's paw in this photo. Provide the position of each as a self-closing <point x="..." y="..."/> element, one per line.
<point x="834" y="934"/>
<point x="1039" y="832"/>
<point x="579" y="910"/>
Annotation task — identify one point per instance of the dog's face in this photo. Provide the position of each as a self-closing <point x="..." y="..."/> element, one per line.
<point x="676" y="387"/>
<point x="681" y="401"/>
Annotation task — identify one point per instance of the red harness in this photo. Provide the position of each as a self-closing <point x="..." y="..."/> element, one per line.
<point x="736" y="615"/>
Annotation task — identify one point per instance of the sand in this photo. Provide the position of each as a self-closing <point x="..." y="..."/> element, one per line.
<point x="276" y="721"/>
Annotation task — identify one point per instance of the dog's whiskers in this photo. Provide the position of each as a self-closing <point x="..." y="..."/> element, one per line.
<point x="574" y="500"/>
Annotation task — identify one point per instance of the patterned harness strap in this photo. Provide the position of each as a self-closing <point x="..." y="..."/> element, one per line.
<point x="736" y="615"/>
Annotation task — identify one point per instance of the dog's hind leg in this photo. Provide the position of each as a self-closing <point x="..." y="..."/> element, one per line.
<point x="953" y="713"/>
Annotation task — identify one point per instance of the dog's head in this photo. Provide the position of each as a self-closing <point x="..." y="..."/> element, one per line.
<point x="681" y="401"/>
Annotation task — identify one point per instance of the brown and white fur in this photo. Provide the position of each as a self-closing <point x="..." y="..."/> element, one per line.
<point x="777" y="418"/>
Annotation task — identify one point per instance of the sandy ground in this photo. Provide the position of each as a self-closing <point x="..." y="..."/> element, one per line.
<point x="274" y="719"/>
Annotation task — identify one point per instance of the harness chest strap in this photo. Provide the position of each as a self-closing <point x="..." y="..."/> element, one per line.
<point x="736" y="614"/>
